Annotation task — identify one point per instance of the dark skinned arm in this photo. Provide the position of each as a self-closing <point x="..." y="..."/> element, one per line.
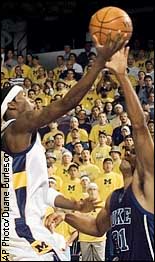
<point x="144" y="145"/>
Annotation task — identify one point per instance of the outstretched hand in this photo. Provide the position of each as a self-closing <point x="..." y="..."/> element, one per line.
<point x="118" y="62"/>
<point x="87" y="205"/>
<point x="105" y="52"/>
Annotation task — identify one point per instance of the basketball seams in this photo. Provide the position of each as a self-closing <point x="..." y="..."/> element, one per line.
<point x="102" y="21"/>
<point x="107" y="28"/>
<point x="96" y="15"/>
<point x="118" y="17"/>
<point x="105" y="20"/>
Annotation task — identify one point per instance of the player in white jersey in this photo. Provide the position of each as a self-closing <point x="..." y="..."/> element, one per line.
<point x="28" y="190"/>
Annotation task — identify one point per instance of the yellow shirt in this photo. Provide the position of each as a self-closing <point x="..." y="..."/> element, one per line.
<point x="49" y="134"/>
<point x="88" y="101"/>
<point x="57" y="71"/>
<point x="98" y="154"/>
<point x="88" y="238"/>
<point x="95" y="131"/>
<point x="108" y="183"/>
<point x="141" y="64"/>
<point x="27" y="72"/>
<point x="72" y="189"/>
<point x="133" y="80"/>
<point x="70" y="83"/>
<point x="5" y="71"/>
<point x="58" y="154"/>
<point x="35" y="73"/>
<point x="83" y="136"/>
<point x="62" y="172"/>
<point x="41" y="81"/>
<point x="90" y="170"/>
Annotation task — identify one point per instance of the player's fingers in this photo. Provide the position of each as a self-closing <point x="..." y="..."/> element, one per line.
<point x="96" y="202"/>
<point x="119" y="41"/>
<point x="95" y="40"/>
<point x="98" y="206"/>
<point x="126" y="51"/>
<point x="109" y="38"/>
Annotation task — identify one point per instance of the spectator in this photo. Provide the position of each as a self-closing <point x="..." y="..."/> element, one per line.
<point x="83" y="57"/>
<point x="133" y="70"/>
<point x="100" y="151"/>
<point x="60" y="67"/>
<point x="26" y="70"/>
<point x="77" y="67"/>
<point x="35" y="66"/>
<point x="103" y="126"/>
<point x="74" y="123"/>
<point x="62" y="167"/>
<point x="77" y="151"/>
<point x="149" y="69"/>
<point x="59" y="147"/>
<point x="92" y="248"/>
<point x="67" y="51"/>
<point x="87" y="168"/>
<point x="75" y="136"/>
<point x="83" y="120"/>
<point x="117" y="136"/>
<point x="53" y="130"/>
<point x="109" y="180"/>
<point x="71" y="187"/>
<point x="108" y="109"/>
<point x="115" y="154"/>
<point x="70" y="80"/>
<point x="10" y="60"/>
<point x="94" y="115"/>
<point x="151" y="127"/>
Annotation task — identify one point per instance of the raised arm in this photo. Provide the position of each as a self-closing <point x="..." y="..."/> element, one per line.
<point x="143" y="142"/>
<point x="28" y="121"/>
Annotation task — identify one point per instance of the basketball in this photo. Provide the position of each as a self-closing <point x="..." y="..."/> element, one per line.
<point x="110" y="19"/>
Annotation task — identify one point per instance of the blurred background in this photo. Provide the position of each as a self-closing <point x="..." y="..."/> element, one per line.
<point x="47" y="25"/>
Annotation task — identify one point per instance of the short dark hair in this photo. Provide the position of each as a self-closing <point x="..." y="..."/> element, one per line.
<point x="107" y="159"/>
<point x="102" y="133"/>
<point x="38" y="99"/>
<point x="147" y="76"/>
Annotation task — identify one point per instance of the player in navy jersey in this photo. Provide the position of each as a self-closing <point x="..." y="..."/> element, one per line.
<point x="128" y="212"/>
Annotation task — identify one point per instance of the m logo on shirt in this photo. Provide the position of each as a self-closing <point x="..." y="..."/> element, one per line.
<point x="41" y="247"/>
<point x="71" y="188"/>
<point x="107" y="181"/>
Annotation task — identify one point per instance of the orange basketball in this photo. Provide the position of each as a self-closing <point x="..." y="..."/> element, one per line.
<point x="110" y="19"/>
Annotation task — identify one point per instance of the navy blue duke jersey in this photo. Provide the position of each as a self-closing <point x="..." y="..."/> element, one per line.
<point x="132" y="228"/>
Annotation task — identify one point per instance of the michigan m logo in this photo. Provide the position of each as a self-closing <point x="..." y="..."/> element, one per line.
<point x="71" y="188"/>
<point x="41" y="247"/>
<point x="107" y="181"/>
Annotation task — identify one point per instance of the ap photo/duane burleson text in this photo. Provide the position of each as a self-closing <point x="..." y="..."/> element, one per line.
<point x="5" y="232"/>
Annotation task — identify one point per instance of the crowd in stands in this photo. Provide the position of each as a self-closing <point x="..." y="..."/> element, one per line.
<point x="84" y="148"/>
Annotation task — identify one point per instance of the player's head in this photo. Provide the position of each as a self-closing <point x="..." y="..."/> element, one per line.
<point x="14" y="102"/>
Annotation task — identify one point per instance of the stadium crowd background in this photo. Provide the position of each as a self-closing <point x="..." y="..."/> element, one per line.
<point x="84" y="148"/>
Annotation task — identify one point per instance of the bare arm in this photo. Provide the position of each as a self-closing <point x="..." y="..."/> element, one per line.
<point x="142" y="138"/>
<point x="84" y="205"/>
<point x="34" y="119"/>
<point x="89" y="225"/>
